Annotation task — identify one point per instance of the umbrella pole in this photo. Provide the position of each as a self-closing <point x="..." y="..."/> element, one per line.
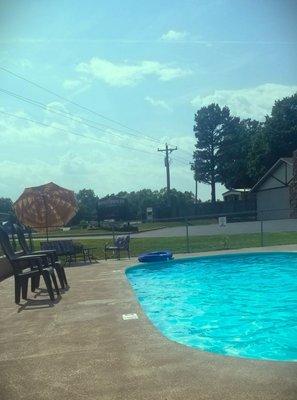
<point x="46" y="220"/>
<point x="30" y="239"/>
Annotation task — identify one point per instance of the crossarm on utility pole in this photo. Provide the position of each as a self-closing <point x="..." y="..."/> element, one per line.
<point x="167" y="151"/>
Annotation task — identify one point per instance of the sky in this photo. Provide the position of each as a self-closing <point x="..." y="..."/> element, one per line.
<point x="125" y="77"/>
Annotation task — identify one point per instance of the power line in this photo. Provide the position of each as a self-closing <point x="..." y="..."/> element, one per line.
<point x="85" y="108"/>
<point x="64" y="114"/>
<point x="75" y="103"/>
<point x="73" y="117"/>
<point x="74" y="133"/>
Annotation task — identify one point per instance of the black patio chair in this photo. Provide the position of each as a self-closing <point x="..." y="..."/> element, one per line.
<point x="69" y="249"/>
<point x="26" y="267"/>
<point x="120" y="243"/>
<point x="51" y="256"/>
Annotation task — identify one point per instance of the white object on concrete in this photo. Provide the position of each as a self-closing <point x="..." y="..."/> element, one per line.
<point x="129" y="316"/>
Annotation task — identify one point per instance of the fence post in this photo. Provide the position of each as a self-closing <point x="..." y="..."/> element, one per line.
<point x="262" y="229"/>
<point x="113" y="233"/>
<point x="187" y="233"/>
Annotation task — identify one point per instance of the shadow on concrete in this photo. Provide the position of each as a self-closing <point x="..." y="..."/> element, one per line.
<point x="38" y="302"/>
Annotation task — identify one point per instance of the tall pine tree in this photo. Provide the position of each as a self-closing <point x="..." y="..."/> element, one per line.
<point x="208" y="129"/>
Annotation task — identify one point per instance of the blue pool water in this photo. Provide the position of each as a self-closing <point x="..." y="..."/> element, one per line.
<point x="242" y="305"/>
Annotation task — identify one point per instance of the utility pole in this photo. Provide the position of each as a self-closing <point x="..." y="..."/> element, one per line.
<point x="167" y="151"/>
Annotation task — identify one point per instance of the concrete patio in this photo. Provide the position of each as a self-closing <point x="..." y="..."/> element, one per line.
<point x="81" y="348"/>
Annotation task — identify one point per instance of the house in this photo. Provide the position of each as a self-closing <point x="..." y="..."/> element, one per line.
<point x="236" y="194"/>
<point x="275" y="191"/>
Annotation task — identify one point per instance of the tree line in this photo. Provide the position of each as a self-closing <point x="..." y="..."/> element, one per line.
<point x="134" y="205"/>
<point x="237" y="152"/>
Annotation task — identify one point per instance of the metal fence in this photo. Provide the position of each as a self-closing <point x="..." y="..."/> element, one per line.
<point x="208" y="232"/>
<point x="227" y="231"/>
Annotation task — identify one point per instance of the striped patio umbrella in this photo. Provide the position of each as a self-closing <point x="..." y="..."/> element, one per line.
<point x="45" y="207"/>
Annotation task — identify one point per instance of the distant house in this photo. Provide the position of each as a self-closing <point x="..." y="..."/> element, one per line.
<point x="274" y="192"/>
<point x="236" y="194"/>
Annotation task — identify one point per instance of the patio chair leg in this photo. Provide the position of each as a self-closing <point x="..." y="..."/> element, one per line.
<point x="17" y="290"/>
<point x="58" y="268"/>
<point x="25" y="288"/>
<point x="47" y="280"/>
<point x="64" y="275"/>
<point x="35" y="283"/>
<point x="88" y="255"/>
<point x="53" y="276"/>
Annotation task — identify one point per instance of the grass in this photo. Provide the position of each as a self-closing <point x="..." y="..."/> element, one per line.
<point x="146" y="226"/>
<point x="196" y="243"/>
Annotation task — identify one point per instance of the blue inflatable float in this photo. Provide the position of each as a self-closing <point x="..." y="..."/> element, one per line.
<point x="163" y="255"/>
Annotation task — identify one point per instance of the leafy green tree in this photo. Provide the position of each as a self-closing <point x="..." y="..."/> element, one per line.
<point x="6" y="205"/>
<point x="233" y="154"/>
<point x="87" y="206"/>
<point x="281" y="128"/>
<point x="137" y="203"/>
<point x="276" y="139"/>
<point x="259" y="159"/>
<point x="209" y="124"/>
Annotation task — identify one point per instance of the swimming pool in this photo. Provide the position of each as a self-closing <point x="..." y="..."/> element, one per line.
<point x="242" y="305"/>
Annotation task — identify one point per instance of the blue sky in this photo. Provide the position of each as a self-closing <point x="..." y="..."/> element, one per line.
<point x="148" y="65"/>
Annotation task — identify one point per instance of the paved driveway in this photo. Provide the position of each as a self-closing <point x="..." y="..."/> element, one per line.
<point x="284" y="225"/>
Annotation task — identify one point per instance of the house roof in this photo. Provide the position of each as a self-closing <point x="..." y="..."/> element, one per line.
<point x="235" y="191"/>
<point x="287" y="160"/>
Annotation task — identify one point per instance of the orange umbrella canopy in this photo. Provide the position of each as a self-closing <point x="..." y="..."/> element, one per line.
<point x="45" y="206"/>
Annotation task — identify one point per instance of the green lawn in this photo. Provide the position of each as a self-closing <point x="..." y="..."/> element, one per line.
<point x="196" y="243"/>
<point x="142" y="227"/>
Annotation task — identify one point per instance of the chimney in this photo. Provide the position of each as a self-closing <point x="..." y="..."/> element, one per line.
<point x="293" y="188"/>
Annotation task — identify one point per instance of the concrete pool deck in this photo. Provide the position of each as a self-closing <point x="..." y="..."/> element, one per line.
<point x="81" y="348"/>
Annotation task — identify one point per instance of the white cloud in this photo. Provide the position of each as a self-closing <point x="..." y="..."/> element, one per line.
<point x="172" y="35"/>
<point x="158" y="103"/>
<point x="24" y="63"/>
<point x="255" y="102"/>
<point x="71" y="84"/>
<point x="124" y="74"/>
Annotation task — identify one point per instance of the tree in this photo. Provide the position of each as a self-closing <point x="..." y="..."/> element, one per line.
<point x="281" y="128"/>
<point x="276" y="139"/>
<point x="208" y="128"/>
<point x="87" y="206"/>
<point x="233" y="154"/>
<point x="6" y="205"/>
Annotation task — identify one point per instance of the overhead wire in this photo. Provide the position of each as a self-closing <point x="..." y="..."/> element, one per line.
<point x="75" y="133"/>
<point x="85" y="108"/>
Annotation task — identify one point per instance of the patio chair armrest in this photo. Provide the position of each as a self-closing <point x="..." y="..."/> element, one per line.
<point x="29" y="257"/>
<point x="44" y="252"/>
